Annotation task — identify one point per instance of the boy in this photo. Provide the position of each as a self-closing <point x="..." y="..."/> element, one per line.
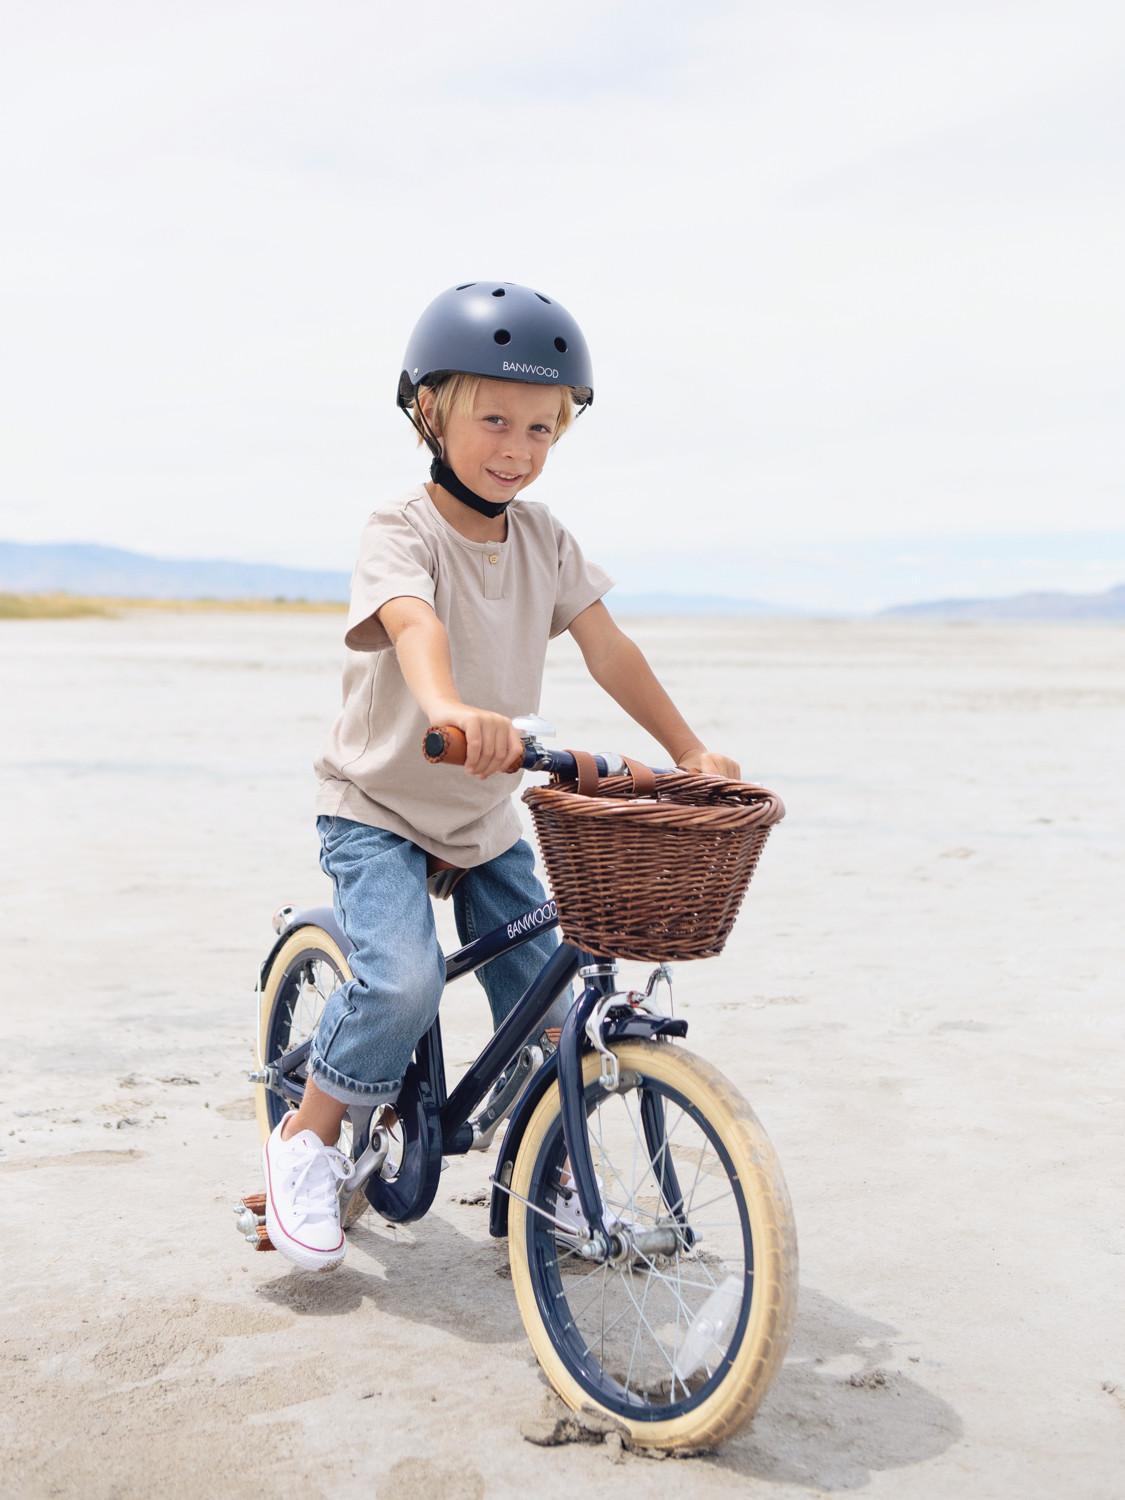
<point x="457" y="590"/>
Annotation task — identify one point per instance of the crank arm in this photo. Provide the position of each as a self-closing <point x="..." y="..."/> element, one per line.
<point x="367" y="1163"/>
<point x="286" y="1076"/>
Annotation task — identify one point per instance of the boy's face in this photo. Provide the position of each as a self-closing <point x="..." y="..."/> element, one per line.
<point x="501" y="447"/>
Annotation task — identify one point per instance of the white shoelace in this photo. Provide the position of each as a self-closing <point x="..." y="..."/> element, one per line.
<point x="312" y="1182"/>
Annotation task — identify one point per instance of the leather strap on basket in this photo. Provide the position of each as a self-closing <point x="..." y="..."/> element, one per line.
<point x="589" y="782"/>
<point x="644" y="778"/>
<point x="587" y="772"/>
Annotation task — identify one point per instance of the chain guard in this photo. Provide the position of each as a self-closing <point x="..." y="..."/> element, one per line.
<point x="409" y="1194"/>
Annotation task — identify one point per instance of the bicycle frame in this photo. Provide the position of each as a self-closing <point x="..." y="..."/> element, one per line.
<point x="436" y="1123"/>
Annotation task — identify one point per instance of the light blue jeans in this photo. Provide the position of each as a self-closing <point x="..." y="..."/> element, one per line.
<point x="371" y="1025"/>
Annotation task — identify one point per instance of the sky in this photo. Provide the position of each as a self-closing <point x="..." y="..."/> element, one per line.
<point x="850" y="274"/>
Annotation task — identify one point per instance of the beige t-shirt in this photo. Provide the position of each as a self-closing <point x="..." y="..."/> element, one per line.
<point x="500" y="603"/>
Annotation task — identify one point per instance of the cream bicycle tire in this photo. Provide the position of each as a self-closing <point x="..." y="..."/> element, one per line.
<point x="774" y="1249"/>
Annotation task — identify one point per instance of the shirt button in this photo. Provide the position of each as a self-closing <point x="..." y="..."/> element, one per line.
<point x="492" y="557"/>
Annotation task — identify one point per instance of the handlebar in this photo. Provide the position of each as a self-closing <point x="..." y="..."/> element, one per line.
<point x="445" y="744"/>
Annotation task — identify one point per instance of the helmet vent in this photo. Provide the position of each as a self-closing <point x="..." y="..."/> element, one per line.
<point x="560" y="345"/>
<point x="464" y="286"/>
<point x="502" y="336"/>
<point x="499" y="292"/>
<point x="541" y="297"/>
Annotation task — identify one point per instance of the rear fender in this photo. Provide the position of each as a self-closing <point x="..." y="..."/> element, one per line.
<point x="310" y="916"/>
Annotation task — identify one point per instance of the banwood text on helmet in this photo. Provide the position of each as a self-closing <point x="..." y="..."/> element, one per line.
<point x="502" y="331"/>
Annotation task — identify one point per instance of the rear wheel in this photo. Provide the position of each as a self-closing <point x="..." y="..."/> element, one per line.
<point x="678" y="1335"/>
<point x="305" y="971"/>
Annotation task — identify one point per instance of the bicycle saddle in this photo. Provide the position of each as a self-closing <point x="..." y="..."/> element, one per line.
<point x="441" y="876"/>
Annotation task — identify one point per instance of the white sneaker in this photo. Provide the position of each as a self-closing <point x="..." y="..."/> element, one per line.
<point x="302" y="1205"/>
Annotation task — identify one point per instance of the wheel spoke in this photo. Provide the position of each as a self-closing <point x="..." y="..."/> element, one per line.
<point x="708" y="1204"/>
<point x="660" y="1155"/>
<point x="643" y="1323"/>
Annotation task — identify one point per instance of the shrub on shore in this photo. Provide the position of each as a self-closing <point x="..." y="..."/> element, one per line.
<point x="48" y="607"/>
<point x="60" y="606"/>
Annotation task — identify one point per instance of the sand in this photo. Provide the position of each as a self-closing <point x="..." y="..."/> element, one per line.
<point x="922" y="999"/>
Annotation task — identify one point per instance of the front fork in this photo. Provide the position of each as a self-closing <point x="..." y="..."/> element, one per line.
<point x="590" y="1024"/>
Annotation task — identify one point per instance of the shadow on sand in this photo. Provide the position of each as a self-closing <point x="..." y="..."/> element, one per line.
<point x="842" y="1408"/>
<point x="429" y="1273"/>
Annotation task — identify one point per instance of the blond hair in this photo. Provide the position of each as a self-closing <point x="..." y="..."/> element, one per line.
<point x="459" y="392"/>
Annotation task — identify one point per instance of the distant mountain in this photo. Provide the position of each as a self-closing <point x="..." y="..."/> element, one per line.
<point x="86" y="568"/>
<point x="1109" y="605"/>
<point x="692" y="604"/>
<point x="89" y="569"/>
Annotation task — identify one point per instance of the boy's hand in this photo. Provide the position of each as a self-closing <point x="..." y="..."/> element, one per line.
<point x="708" y="764"/>
<point x="491" y="739"/>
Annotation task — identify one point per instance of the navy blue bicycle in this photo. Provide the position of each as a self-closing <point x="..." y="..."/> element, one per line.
<point x="650" y="1234"/>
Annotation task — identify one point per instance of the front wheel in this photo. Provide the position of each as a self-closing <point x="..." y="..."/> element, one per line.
<point x="678" y="1335"/>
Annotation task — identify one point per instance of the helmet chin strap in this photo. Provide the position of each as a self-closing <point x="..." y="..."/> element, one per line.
<point x="442" y="474"/>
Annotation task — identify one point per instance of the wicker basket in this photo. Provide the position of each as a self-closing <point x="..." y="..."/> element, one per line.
<point x="656" y="876"/>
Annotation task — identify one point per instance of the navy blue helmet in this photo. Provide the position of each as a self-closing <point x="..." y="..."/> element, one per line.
<point x="500" y="330"/>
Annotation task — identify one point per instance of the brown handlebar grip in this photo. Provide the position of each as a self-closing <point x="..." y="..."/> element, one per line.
<point x="445" y="744"/>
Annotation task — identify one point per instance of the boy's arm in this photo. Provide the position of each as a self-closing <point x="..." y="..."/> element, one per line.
<point x="618" y="665"/>
<point x="422" y="647"/>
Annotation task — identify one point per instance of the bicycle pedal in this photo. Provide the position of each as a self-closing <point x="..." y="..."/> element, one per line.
<point x="251" y="1221"/>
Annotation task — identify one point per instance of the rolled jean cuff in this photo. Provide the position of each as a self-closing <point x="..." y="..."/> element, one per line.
<point x="347" y="1090"/>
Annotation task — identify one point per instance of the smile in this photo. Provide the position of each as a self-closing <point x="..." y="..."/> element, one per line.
<point x="504" y="478"/>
